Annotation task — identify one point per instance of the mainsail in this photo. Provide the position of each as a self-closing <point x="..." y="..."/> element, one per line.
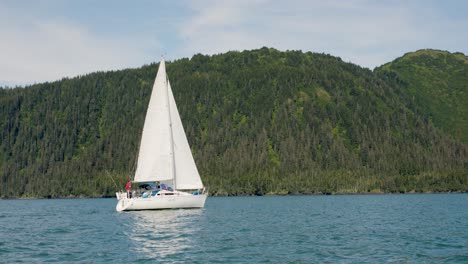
<point x="165" y="154"/>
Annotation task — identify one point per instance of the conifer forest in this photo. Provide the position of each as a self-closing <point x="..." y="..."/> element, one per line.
<point x="258" y="122"/>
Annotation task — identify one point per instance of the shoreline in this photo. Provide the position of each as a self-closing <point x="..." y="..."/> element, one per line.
<point x="249" y="195"/>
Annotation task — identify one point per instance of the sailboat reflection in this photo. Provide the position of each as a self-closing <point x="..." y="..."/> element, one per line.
<point x="160" y="234"/>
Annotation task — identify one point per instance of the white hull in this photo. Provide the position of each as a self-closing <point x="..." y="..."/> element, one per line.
<point x="174" y="201"/>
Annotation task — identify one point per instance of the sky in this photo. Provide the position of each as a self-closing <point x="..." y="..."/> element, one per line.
<point x="46" y="40"/>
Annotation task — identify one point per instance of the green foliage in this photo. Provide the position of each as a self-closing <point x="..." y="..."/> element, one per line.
<point x="273" y="155"/>
<point x="435" y="85"/>
<point x="259" y="122"/>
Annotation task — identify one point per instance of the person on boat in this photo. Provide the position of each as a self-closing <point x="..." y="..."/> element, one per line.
<point x="128" y="186"/>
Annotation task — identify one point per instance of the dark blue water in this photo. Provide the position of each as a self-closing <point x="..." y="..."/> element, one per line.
<point x="429" y="228"/>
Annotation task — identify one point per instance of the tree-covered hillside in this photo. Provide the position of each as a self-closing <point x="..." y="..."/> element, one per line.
<point x="435" y="84"/>
<point x="259" y="122"/>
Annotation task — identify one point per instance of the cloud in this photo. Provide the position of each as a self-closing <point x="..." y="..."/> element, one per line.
<point x="36" y="49"/>
<point x="219" y="26"/>
<point x="55" y="39"/>
<point x="367" y="33"/>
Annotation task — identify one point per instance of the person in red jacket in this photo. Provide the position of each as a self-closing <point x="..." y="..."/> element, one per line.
<point x="128" y="186"/>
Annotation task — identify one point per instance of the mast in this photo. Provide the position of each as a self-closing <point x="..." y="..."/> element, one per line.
<point x="172" y="136"/>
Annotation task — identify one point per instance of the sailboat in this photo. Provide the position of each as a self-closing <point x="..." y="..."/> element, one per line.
<point x="165" y="163"/>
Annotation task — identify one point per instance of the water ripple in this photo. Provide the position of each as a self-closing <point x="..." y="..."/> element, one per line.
<point x="300" y="229"/>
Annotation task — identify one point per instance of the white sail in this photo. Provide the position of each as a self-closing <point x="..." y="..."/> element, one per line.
<point x="186" y="173"/>
<point x="155" y="161"/>
<point x="165" y="154"/>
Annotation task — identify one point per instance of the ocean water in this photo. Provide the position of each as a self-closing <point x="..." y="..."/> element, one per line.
<point x="422" y="228"/>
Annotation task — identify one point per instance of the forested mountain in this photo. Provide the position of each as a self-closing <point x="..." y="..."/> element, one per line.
<point x="259" y="122"/>
<point x="435" y="85"/>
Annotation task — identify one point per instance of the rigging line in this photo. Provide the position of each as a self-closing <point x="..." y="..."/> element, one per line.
<point x="108" y="174"/>
<point x="133" y="169"/>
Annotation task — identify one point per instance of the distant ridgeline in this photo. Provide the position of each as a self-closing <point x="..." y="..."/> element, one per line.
<point x="259" y="122"/>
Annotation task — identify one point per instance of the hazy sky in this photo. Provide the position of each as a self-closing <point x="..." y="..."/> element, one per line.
<point x="47" y="40"/>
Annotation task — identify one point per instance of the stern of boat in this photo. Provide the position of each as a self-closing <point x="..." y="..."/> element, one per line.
<point x="120" y="195"/>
